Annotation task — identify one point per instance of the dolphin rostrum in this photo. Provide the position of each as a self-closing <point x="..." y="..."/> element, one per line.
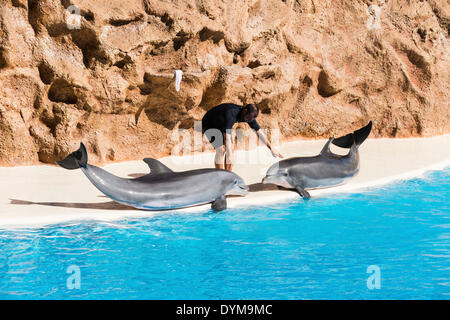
<point x="162" y="188"/>
<point x="324" y="170"/>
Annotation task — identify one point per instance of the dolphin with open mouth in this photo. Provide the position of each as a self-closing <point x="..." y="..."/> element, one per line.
<point x="163" y="188"/>
<point x="324" y="170"/>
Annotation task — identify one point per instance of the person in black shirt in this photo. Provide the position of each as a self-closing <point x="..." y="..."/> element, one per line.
<point x="217" y="124"/>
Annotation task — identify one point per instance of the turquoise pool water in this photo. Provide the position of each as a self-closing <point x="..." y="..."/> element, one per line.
<point x="320" y="249"/>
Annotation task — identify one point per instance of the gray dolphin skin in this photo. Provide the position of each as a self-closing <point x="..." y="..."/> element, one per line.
<point x="324" y="170"/>
<point x="163" y="188"/>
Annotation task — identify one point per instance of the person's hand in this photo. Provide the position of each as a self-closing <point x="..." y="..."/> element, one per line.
<point x="275" y="153"/>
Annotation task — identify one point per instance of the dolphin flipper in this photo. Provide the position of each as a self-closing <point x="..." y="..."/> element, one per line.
<point x="219" y="204"/>
<point x="303" y="193"/>
<point x="357" y="137"/>
<point x="156" y="166"/>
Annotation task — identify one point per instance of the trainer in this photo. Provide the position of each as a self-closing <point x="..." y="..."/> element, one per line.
<point x="217" y="124"/>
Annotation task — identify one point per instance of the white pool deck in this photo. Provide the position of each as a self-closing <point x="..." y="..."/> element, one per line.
<point x="37" y="196"/>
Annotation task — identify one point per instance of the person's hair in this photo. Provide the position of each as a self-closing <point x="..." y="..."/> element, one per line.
<point x="251" y="109"/>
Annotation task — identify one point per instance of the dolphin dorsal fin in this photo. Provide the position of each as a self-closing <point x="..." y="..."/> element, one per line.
<point x="326" y="147"/>
<point x="156" y="166"/>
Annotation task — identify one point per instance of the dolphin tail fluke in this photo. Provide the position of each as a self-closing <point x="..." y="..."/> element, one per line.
<point x="76" y="159"/>
<point x="358" y="137"/>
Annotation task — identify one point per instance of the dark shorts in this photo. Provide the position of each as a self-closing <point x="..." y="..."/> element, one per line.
<point x="215" y="137"/>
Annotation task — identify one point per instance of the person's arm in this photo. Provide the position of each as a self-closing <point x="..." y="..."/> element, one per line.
<point x="264" y="139"/>
<point x="228" y="152"/>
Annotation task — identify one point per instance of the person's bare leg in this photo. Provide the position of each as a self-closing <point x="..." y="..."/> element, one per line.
<point x="228" y="149"/>
<point x="219" y="159"/>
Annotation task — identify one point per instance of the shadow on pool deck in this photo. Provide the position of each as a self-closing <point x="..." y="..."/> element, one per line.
<point x="256" y="187"/>
<point x="110" y="205"/>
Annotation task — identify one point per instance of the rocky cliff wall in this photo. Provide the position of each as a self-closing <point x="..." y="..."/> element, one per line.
<point x="102" y="71"/>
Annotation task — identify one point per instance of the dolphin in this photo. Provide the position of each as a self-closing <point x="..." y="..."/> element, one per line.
<point x="163" y="188"/>
<point x="322" y="171"/>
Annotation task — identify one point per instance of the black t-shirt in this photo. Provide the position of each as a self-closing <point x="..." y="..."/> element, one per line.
<point x="224" y="116"/>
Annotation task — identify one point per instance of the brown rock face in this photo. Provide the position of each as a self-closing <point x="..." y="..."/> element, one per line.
<point x="101" y="71"/>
